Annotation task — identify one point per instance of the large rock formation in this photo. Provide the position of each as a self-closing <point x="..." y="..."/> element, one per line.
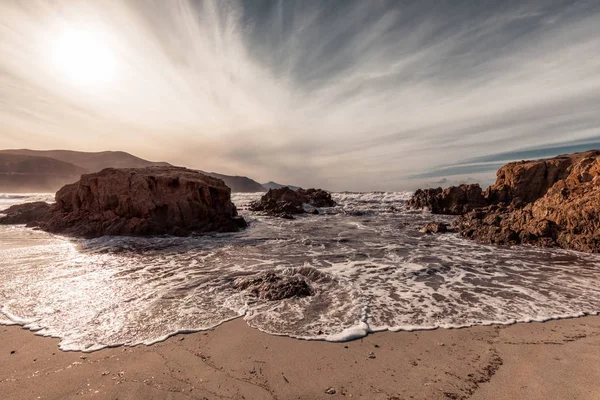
<point x="455" y="200"/>
<point x="31" y="214"/>
<point x="558" y="206"/>
<point x="285" y="201"/>
<point x="144" y="201"/>
<point x="551" y="202"/>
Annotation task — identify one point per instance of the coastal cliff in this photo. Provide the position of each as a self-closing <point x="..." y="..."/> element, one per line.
<point x="552" y="202"/>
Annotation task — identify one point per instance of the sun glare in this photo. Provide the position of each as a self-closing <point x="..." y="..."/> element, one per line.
<point x="84" y="57"/>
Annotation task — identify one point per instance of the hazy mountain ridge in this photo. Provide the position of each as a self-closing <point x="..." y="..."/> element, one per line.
<point x="240" y="184"/>
<point x="24" y="170"/>
<point x="275" y="185"/>
<point x="91" y="161"/>
<point x="24" y="173"/>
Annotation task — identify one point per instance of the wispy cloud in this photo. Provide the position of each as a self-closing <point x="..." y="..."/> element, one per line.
<point x="342" y="94"/>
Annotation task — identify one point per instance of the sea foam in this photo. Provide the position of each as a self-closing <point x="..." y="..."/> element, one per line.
<point x="369" y="265"/>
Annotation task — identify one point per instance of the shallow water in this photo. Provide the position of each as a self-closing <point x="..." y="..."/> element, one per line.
<point x="371" y="268"/>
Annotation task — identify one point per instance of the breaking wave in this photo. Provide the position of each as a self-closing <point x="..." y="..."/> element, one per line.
<point x="370" y="268"/>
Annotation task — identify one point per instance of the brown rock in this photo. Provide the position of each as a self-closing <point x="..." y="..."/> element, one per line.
<point x="455" y="200"/>
<point x="285" y="201"/>
<point x="143" y="201"/>
<point x="435" y="227"/>
<point x="31" y="214"/>
<point x="273" y="286"/>
<point x="559" y="207"/>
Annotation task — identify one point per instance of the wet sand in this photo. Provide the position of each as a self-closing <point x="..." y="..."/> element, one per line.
<point x="554" y="360"/>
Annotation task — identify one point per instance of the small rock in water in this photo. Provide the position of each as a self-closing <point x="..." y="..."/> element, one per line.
<point x="330" y="391"/>
<point x="372" y="355"/>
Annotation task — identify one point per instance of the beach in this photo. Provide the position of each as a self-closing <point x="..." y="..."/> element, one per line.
<point x="552" y="360"/>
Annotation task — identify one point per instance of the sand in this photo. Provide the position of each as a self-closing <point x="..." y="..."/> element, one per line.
<point x="554" y="360"/>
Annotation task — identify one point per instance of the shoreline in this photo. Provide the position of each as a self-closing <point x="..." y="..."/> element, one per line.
<point x="550" y="360"/>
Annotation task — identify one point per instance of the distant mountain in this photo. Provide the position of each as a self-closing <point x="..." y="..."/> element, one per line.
<point x="275" y="185"/>
<point x="27" y="170"/>
<point x="240" y="184"/>
<point x="22" y="173"/>
<point x="92" y="162"/>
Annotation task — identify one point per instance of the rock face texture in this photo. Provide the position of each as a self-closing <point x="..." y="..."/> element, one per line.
<point x="285" y="201"/>
<point x="552" y="202"/>
<point x="435" y="227"/>
<point x="455" y="200"/>
<point x="272" y="286"/>
<point x="31" y="214"/>
<point x="143" y="201"/>
<point x="558" y="206"/>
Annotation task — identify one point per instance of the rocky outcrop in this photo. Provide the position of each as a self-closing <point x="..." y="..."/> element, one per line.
<point x="285" y="201"/>
<point x="143" y="201"/>
<point x="31" y="214"/>
<point x="527" y="181"/>
<point x="435" y="227"/>
<point x="274" y="286"/>
<point x="564" y="212"/>
<point x="455" y="200"/>
<point x="551" y="202"/>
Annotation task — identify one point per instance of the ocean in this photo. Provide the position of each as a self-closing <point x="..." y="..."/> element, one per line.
<point x="371" y="268"/>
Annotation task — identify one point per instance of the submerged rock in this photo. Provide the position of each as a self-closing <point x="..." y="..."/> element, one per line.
<point x="31" y="214"/>
<point x="143" y="201"/>
<point x="273" y="286"/>
<point x="435" y="227"/>
<point x="285" y="201"/>
<point x="455" y="200"/>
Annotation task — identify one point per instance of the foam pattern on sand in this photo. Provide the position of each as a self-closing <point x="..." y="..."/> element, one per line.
<point x="370" y="267"/>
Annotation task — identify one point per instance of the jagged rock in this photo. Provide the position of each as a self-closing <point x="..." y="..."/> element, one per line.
<point x="435" y="227"/>
<point x="31" y="214"/>
<point x="559" y="207"/>
<point x="287" y="201"/>
<point x="455" y="200"/>
<point x="143" y="201"/>
<point x="526" y="181"/>
<point x="274" y="286"/>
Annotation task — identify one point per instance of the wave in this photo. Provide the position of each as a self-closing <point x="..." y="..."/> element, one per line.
<point x="370" y="266"/>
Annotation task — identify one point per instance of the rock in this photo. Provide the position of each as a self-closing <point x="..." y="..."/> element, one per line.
<point x="30" y="214"/>
<point x="558" y="206"/>
<point x="143" y="201"/>
<point x="330" y="391"/>
<point x="527" y="181"/>
<point x="275" y="286"/>
<point x="435" y="227"/>
<point x="287" y="201"/>
<point x="455" y="200"/>
<point x="372" y="355"/>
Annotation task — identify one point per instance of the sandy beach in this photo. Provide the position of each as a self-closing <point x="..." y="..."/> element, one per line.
<point x="553" y="360"/>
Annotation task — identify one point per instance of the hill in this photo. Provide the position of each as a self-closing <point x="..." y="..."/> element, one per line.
<point x="240" y="184"/>
<point x="22" y="173"/>
<point x="275" y="185"/>
<point x="91" y="161"/>
<point x="27" y="170"/>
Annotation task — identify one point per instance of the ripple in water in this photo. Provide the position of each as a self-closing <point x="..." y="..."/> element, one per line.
<point x="370" y="267"/>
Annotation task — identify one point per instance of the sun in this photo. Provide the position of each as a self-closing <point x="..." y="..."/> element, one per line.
<point x="84" y="57"/>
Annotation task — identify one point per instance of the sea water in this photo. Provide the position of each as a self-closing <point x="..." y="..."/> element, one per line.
<point x="371" y="268"/>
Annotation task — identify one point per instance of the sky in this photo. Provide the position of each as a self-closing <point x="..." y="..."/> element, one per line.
<point x="345" y="95"/>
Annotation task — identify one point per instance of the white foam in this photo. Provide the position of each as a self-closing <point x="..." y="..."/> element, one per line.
<point x="371" y="268"/>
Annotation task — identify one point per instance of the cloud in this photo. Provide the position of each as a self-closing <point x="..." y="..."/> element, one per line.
<point x="351" y="95"/>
